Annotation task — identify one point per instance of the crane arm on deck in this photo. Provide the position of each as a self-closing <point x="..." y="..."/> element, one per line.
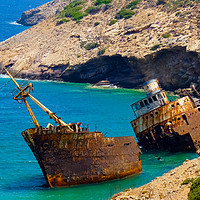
<point x="23" y="94"/>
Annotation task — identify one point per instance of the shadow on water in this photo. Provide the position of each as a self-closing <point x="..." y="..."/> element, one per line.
<point x="29" y="183"/>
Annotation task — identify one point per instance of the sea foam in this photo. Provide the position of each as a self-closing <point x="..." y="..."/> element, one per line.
<point x="15" y="23"/>
<point x="4" y="76"/>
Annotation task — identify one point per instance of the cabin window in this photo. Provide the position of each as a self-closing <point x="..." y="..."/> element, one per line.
<point x="126" y="144"/>
<point x="156" y="112"/>
<point x="159" y="96"/>
<point x="178" y="104"/>
<point x="146" y="117"/>
<point x="110" y="145"/>
<point x="134" y="108"/>
<point x="141" y="104"/>
<point x="154" y="98"/>
<point x="151" y="115"/>
<point x="45" y="145"/>
<point x="173" y="105"/>
<point x="145" y="102"/>
<point x="150" y="100"/>
<point x="164" y="95"/>
<point x="137" y="106"/>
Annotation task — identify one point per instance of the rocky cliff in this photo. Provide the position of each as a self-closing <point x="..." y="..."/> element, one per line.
<point x="126" y="42"/>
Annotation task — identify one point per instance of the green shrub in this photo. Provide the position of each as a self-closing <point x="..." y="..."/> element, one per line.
<point x="160" y="2"/>
<point x="73" y="10"/>
<point x="99" y="2"/>
<point x="112" y="22"/>
<point x="187" y="180"/>
<point x="88" y="46"/>
<point x="63" y="21"/>
<point x="91" y="45"/>
<point x="76" y="3"/>
<point x="133" y="4"/>
<point x="96" y="23"/>
<point x="155" y="47"/>
<point x="101" y="52"/>
<point x="124" y="13"/>
<point x="194" y="193"/>
<point x="166" y="35"/>
<point x="93" y="9"/>
<point x="83" y="43"/>
<point x="175" y="4"/>
<point x="75" y="13"/>
<point x="178" y="13"/>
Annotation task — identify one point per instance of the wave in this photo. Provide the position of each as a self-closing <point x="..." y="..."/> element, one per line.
<point x="4" y="76"/>
<point x="15" y="23"/>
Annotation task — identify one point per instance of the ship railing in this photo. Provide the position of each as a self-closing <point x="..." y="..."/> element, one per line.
<point x="197" y="102"/>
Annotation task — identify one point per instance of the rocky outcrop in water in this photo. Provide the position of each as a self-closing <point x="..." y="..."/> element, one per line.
<point x="37" y="15"/>
<point x="156" y="42"/>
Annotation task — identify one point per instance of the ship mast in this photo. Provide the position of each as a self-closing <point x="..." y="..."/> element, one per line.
<point x="25" y="92"/>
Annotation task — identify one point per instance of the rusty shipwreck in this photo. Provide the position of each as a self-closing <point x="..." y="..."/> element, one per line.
<point x="69" y="154"/>
<point x="163" y="124"/>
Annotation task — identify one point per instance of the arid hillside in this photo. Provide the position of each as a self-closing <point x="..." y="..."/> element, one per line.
<point x="126" y="42"/>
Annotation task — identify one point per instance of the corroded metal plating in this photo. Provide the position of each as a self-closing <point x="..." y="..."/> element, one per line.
<point x="69" y="158"/>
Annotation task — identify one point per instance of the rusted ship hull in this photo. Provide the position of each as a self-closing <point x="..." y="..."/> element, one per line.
<point x="174" y="126"/>
<point x="70" y="158"/>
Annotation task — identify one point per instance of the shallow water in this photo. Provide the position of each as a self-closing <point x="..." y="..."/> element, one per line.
<point x="109" y="109"/>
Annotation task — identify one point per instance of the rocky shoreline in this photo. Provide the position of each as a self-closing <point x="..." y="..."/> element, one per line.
<point x="173" y="185"/>
<point x="39" y="14"/>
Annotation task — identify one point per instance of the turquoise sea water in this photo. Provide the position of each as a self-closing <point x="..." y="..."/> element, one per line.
<point x="20" y="175"/>
<point x="10" y="11"/>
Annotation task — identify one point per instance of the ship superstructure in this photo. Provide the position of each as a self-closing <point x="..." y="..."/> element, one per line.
<point x="163" y="124"/>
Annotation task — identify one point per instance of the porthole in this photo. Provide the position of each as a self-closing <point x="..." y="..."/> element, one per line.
<point x="45" y="145"/>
